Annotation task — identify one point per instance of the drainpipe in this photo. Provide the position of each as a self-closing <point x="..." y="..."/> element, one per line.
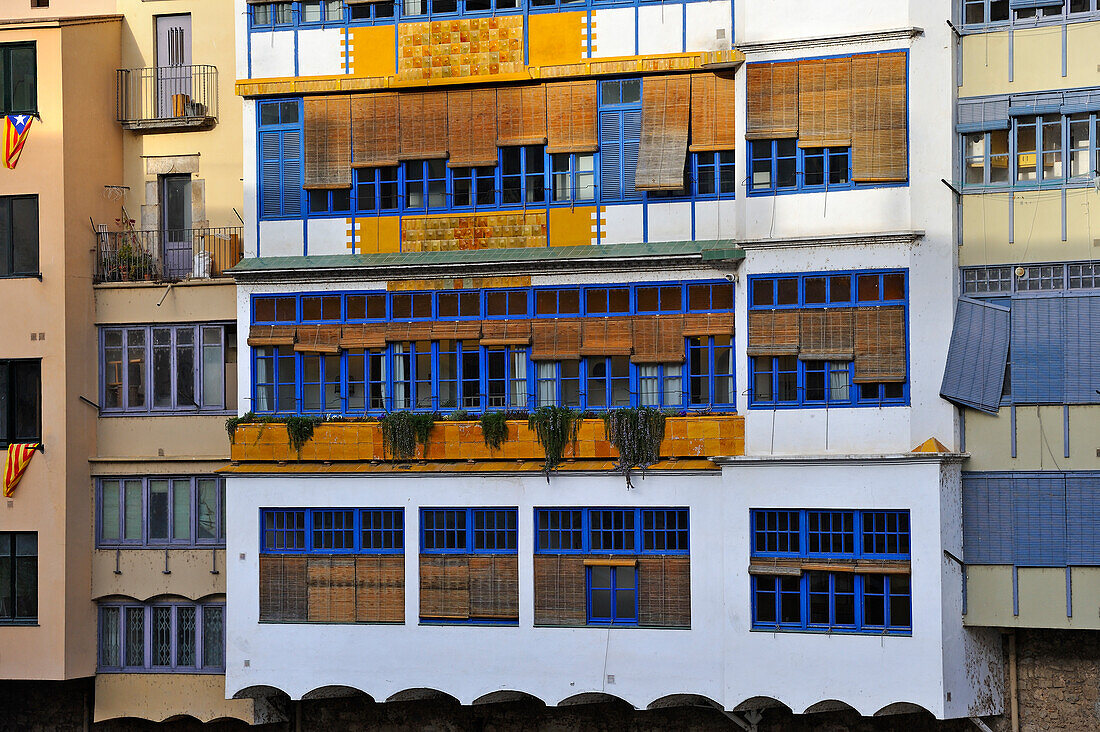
<point x="1013" y="682"/>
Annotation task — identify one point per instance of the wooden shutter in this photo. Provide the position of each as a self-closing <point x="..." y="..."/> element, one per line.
<point x="362" y="337"/>
<point x="662" y="154"/>
<point x="494" y="586"/>
<point x="403" y="332"/>
<point x="556" y="340"/>
<point x="282" y="587"/>
<point x="772" y="101"/>
<point x="318" y="339"/>
<point x="712" y="112"/>
<point x="658" y="339"/>
<point x="328" y="142"/>
<point x="331" y="594"/>
<point x="423" y="125"/>
<point x="606" y="337"/>
<point x="664" y="591"/>
<point x="444" y="586"/>
<point x="826" y="334"/>
<point x="879" y="111"/>
<point x="456" y="330"/>
<point x="506" y="333"/>
<point x="472" y="127"/>
<point x="271" y="335"/>
<point x="560" y="597"/>
<point x="825" y="103"/>
<point x="880" y="345"/>
<point x="380" y="588"/>
<point x="571" y="117"/>
<point x="374" y="124"/>
<point x="708" y="324"/>
<point x="521" y="115"/>
<point x="773" y="332"/>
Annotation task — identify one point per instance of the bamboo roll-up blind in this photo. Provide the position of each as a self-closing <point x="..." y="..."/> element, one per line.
<point x="559" y="589"/>
<point x="664" y="591"/>
<point x="571" y="117"/>
<point x="659" y="339"/>
<point x="331" y="594"/>
<point x="456" y="330"/>
<point x="271" y="335"/>
<point x="825" y="103"/>
<point x="327" y="142"/>
<point x="472" y="127"/>
<point x="879" y="113"/>
<point x="282" y="587"/>
<point x="374" y="124"/>
<point x="826" y="334"/>
<point x="712" y="112"/>
<point x="506" y="333"/>
<point x="380" y="588"/>
<point x="521" y="115"/>
<point x="494" y="586"/>
<point x="398" y="332"/>
<point x="556" y="340"/>
<point x="662" y="153"/>
<point x="773" y="332"/>
<point x="606" y="337"/>
<point x="423" y="125"/>
<point x="318" y="339"/>
<point x="708" y="324"/>
<point x="365" y="337"/>
<point x="879" y="345"/>
<point x="772" y="101"/>
<point x="444" y="586"/>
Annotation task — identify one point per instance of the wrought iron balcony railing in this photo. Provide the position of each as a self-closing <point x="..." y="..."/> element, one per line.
<point x="167" y="255"/>
<point x="166" y="98"/>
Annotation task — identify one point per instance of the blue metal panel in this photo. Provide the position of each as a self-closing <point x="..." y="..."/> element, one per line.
<point x="976" y="115"/>
<point x="1083" y="519"/>
<point x="270" y="164"/>
<point x="988" y="536"/>
<point x="1038" y="350"/>
<point x="1082" y="339"/>
<point x="974" y="375"/>
<point x="1081" y="101"/>
<point x="1031" y="104"/>
<point x="292" y="173"/>
<point x="1039" y="510"/>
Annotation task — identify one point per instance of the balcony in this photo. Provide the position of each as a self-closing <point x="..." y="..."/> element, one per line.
<point x="169" y="255"/>
<point x="168" y="98"/>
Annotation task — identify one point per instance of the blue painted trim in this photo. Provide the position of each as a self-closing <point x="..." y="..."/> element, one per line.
<point x="1065" y="46"/>
<point x="962" y="430"/>
<point x="965" y="588"/>
<point x="1011" y="55"/>
<point x="1015" y="591"/>
<point x="1069" y="592"/>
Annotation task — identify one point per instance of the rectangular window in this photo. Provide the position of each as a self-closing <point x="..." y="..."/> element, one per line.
<point x="272" y="14"/>
<point x="20" y="402"/>
<point x="332" y="531"/>
<point x="711" y="359"/>
<point x="18" y="577"/>
<point x="611" y="530"/>
<point x="468" y="530"/>
<point x="18" y="74"/>
<point x="612" y="594"/>
<point x="783" y="166"/>
<point x="178" y="637"/>
<point x="18" y="236"/>
<point x="161" y="511"/>
<point x="280" y="160"/>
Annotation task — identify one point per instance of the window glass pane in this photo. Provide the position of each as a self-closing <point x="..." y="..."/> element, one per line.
<point x="815" y="290"/>
<point x="787" y="292"/>
<point x="135" y="637"/>
<point x="868" y="288"/>
<point x="109" y="638"/>
<point x="185" y="368"/>
<point x="23" y="83"/>
<point x="162" y="636"/>
<point x="24" y="225"/>
<point x="135" y="371"/>
<point x="213" y="637"/>
<point x="213" y="378"/>
<point x="185" y="635"/>
<point x="162" y="367"/>
<point x="181" y="509"/>
<point x="207" y="508"/>
<point x="27" y="394"/>
<point x="109" y="510"/>
<point x="133" y="513"/>
<point x="158" y="509"/>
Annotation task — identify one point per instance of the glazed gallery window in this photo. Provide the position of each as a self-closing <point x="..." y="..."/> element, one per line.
<point x="181" y="637"/>
<point x="161" y="511"/>
<point x="18" y="577"/>
<point x="20" y="401"/>
<point x="18" y="236"/>
<point x="18" y="78"/>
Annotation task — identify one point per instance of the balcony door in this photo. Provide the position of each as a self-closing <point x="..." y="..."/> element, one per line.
<point x="173" y="72"/>
<point x="175" y="228"/>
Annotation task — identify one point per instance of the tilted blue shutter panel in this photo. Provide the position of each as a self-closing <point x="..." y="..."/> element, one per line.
<point x="1083" y="519"/>
<point x="1040" y="515"/>
<point x="292" y="173"/>
<point x="1038" y="350"/>
<point x="611" y="158"/>
<point x="1082" y="349"/>
<point x="988" y="519"/>
<point x="632" y="141"/>
<point x="270" y="174"/>
<point x="978" y="115"/>
<point x="974" y="375"/>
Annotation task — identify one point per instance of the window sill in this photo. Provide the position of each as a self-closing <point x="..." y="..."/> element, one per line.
<point x="474" y="622"/>
<point x="22" y="276"/>
<point x="177" y="671"/>
<point x="331" y="622"/>
<point x="220" y="413"/>
<point x="781" y="407"/>
<point x="834" y="631"/>
<point x="19" y="624"/>
<point x="158" y="547"/>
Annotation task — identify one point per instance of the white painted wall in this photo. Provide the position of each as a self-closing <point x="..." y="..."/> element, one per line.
<point x="272" y="55"/>
<point x="281" y="238"/>
<point x="669" y="221"/>
<point x="614" y="32"/>
<point x="624" y="224"/>
<point x="328" y="236"/>
<point x="716" y="219"/>
<point x="771" y="20"/>
<point x="660" y="28"/>
<point x="709" y="26"/>
<point x="320" y="52"/>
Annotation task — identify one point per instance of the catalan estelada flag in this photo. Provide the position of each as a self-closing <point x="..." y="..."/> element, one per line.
<point x="16" y="129"/>
<point x="19" y="457"/>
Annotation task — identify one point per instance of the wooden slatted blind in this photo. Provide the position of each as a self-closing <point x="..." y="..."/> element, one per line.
<point x="559" y="590"/>
<point x="879" y="113"/>
<point x="282" y="587"/>
<point x="879" y="345"/>
<point x="826" y="334"/>
<point x="521" y="115"/>
<point x="328" y="142"/>
<point x="401" y="332"/>
<point x="362" y="337"/>
<point x="773" y="332"/>
<point x="444" y="586"/>
<point x="318" y="339"/>
<point x="472" y="127"/>
<point x="712" y="112"/>
<point x="331" y="593"/>
<point x="825" y="103"/>
<point x="664" y="591"/>
<point x="506" y="333"/>
<point x="374" y="124"/>
<point x="662" y="154"/>
<point x="494" y="586"/>
<point x="606" y="337"/>
<point x="571" y="117"/>
<point x="659" y="339"/>
<point x="772" y="101"/>
<point x="556" y="340"/>
<point x="456" y="330"/>
<point x="380" y="588"/>
<point x="271" y="335"/>
<point x="708" y="324"/>
<point x="423" y="125"/>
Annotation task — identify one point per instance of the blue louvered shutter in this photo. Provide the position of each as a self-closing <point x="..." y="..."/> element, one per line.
<point x="292" y="173"/>
<point x="1081" y="101"/>
<point x="1030" y="104"/>
<point x="632" y="141"/>
<point x="1038" y="350"/>
<point x="1083" y="519"/>
<point x="974" y="375"/>
<point x="1082" y="349"/>
<point x="988" y="519"/>
<point x="1039" y="503"/>
<point x="611" y="156"/>
<point x="978" y="115"/>
<point x="270" y="174"/>
<point x="1026" y="4"/>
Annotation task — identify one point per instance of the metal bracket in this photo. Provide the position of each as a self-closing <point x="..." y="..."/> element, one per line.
<point x="214" y="562"/>
<point x="980" y="724"/>
<point x="746" y="720"/>
<point x="166" y="570"/>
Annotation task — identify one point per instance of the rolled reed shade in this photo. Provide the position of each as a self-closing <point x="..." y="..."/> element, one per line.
<point x="773" y="332"/>
<point x="318" y="339"/>
<point x="380" y="588"/>
<point x="423" y="125"/>
<point x="327" y="142"/>
<point x="879" y="112"/>
<point x="420" y="331"/>
<point x="658" y="339"/>
<point x="494" y="586"/>
<point x="879" y="345"/>
<point x="331" y="594"/>
<point x="571" y="117"/>
<point x="374" y="125"/>
<point x="708" y="324"/>
<point x="826" y="334"/>
<point x="362" y="337"/>
<point x="282" y="587"/>
<point x="606" y="337"/>
<point x="712" y="112"/>
<point x="444" y="586"/>
<point x="666" y="101"/>
<point x="556" y="340"/>
<point x="559" y="590"/>
<point x="472" y="127"/>
<point x="506" y="333"/>
<point x="664" y="591"/>
<point x="825" y="103"/>
<point x="271" y="335"/>
<point x="456" y="330"/>
<point x="521" y="115"/>
<point x="772" y="101"/>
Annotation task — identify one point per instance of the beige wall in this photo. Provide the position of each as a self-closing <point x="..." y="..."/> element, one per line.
<point x="22" y="10"/>
<point x="1036" y="58"/>
<point x="141" y="573"/>
<point x="1036" y="223"/>
<point x="160" y="696"/>
<point x="176" y="436"/>
<point x="200" y="301"/>
<point x="1041" y="595"/>
<point x="1040" y="443"/>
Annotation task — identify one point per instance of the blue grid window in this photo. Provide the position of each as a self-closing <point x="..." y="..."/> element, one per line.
<point x="612" y="531"/>
<point x="665" y="530"/>
<point x="269" y="15"/>
<point x="887" y="601"/>
<point x="559" y="530"/>
<point x="376" y="189"/>
<point x="560" y="302"/>
<point x="830" y="532"/>
<point x="284" y="531"/>
<point x="333" y="530"/>
<point x="468" y="530"/>
<point x="382" y="530"/>
<point x="280" y="158"/>
<point x="494" y="530"/>
<point x="832" y="599"/>
<point x="443" y="530"/>
<point x="777" y="601"/>
<point x="612" y="595"/>
<point x="776" y="532"/>
<point x="782" y="166"/>
<point x="711" y="360"/>
<point x="886" y="533"/>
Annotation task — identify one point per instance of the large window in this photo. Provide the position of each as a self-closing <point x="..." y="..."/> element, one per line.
<point x="333" y="531"/>
<point x="784" y="166"/>
<point x="20" y="401"/>
<point x="180" y="637"/>
<point x="18" y="236"/>
<point x="18" y="74"/>
<point x="468" y="530"/>
<point x="1035" y="150"/>
<point x="161" y="512"/>
<point x="18" y="577"/>
<point x="168" y="369"/>
<point x="281" y="153"/>
<point x="855" y="577"/>
<point x="1026" y="13"/>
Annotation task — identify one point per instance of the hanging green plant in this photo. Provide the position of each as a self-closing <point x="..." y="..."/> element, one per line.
<point x="636" y="433"/>
<point x="494" y="429"/>
<point x="402" y="431"/>
<point x="232" y="423"/>
<point x="299" y="431"/>
<point x="555" y="428"/>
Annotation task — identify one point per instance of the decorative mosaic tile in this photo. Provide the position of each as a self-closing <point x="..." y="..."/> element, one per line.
<point x="444" y="49"/>
<point x="477" y="231"/>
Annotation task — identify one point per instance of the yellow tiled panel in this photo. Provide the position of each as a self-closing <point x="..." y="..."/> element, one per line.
<point x="555" y="38"/>
<point x="372" y="51"/>
<point x="475" y="231"/>
<point x="378" y="234"/>
<point x="445" y="49"/>
<point x="571" y="226"/>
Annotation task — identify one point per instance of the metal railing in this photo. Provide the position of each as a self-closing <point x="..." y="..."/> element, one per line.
<point x="170" y="254"/>
<point x="169" y="95"/>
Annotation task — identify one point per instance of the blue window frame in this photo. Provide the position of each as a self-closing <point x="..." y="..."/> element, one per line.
<point x="660" y="384"/>
<point x="332" y="531"/>
<point x="612" y="594"/>
<point x="620" y="135"/>
<point x="1001" y="13"/>
<point x="468" y="531"/>
<point x="162" y="638"/>
<point x="267" y="16"/>
<point x="280" y="156"/>
<point x="782" y="166"/>
<point x="311" y="12"/>
<point x="611" y="531"/>
<point x="776" y="533"/>
<point x="573" y="177"/>
<point x="160" y="511"/>
<point x="559" y="530"/>
<point x="711" y="364"/>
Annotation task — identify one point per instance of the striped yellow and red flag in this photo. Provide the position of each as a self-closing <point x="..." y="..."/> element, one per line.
<point x="16" y="129"/>
<point x="19" y="457"/>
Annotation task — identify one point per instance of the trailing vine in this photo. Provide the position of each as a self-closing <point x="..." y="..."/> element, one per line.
<point x="636" y="433"/>
<point x="494" y="428"/>
<point x="232" y="423"/>
<point x="555" y="427"/>
<point x="299" y="431"/>
<point x="402" y="431"/>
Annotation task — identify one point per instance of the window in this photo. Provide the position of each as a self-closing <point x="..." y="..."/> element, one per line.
<point x="573" y="176"/>
<point x="280" y="142"/>
<point x="661" y="385"/>
<point x="607" y="381"/>
<point x="715" y="174"/>
<point x="468" y="530"/>
<point x="620" y="134"/>
<point x="977" y="12"/>
<point x="611" y="530"/>
<point x="188" y="367"/>
<point x="425" y="184"/>
<point x="711" y="377"/>
<point x="18" y="577"/>
<point x="372" y="11"/>
<point x="612" y="594"/>
<point x="20" y="401"/>
<point x="317" y="11"/>
<point x="376" y="188"/>
<point x="161" y="511"/>
<point x="783" y="166"/>
<point x="181" y="637"/>
<point x="871" y="596"/>
<point x="333" y="531"/>
<point x="272" y="14"/>
<point x="18" y="73"/>
<point x="18" y="236"/>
